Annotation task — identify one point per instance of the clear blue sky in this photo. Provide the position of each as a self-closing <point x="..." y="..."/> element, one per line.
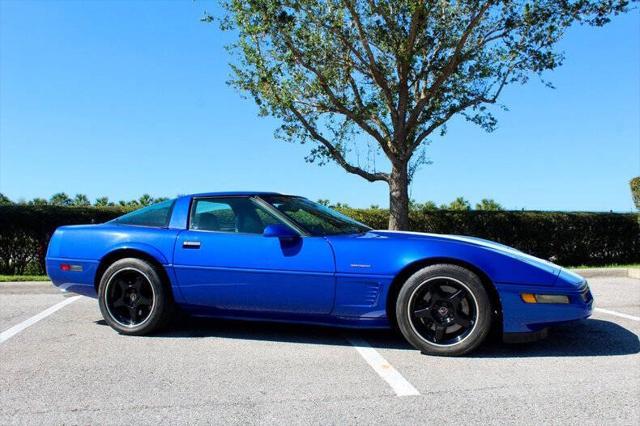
<point x="121" y="98"/>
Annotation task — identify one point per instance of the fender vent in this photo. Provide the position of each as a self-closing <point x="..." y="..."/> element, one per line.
<point x="371" y="293"/>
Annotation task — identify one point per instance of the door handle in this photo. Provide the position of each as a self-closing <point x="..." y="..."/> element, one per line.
<point x="191" y="244"/>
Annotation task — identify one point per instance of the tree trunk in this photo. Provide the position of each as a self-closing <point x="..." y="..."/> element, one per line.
<point x="399" y="198"/>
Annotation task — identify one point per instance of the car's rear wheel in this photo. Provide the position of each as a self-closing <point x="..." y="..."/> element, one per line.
<point x="132" y="297"/>
<point x="444" y="310"/>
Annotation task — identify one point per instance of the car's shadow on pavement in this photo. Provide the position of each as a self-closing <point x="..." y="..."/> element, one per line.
<point x="592" y="337"/>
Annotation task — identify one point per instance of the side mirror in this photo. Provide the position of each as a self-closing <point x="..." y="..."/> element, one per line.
<point x="280" y="231"/>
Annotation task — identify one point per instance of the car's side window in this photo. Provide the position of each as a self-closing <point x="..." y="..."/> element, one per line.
<point x="230" y="214"/>
<point x="155" y="215"/>
<point x="213" y="215"/>
<point x="267" y="218"/>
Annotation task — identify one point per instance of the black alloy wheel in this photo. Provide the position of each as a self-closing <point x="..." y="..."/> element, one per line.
<point x="133" y="298"/>
<point x="129" y="297"/>
<point x="443" y="309"/>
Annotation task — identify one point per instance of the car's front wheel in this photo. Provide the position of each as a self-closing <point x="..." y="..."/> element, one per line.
<point x="132" y="297"/>
<point x="444" y="310"/>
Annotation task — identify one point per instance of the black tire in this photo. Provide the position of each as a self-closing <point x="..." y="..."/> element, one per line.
<point x="444" y="310"/>
<point x="132" y="297"/>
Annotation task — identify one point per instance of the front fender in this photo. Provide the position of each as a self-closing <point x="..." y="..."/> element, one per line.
<point x="379" y="255"/>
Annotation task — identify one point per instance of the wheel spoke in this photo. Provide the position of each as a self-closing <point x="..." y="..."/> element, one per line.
<point x="137" y="284"/>
<point x="456" y="297"/>
<point x="143" y="301"/>
<point x="436" y="294"/>
<point x="133" y="314"/>
<point x="439" y="332"/>
<point x="118" y="303"/>
<point x="123" y="285"/>
<point x="422" y="313"/>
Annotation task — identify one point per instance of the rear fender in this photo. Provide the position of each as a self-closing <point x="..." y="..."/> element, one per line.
<point x="141" y="247"/>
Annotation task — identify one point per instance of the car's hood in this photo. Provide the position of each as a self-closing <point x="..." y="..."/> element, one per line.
<point x="461" y="238"/>
<point x="509" y="251"/>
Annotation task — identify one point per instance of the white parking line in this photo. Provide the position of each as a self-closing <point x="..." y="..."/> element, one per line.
<point x="399" y="384"/>
<point x="7" y="334"/>
<point x="618" y="314"/>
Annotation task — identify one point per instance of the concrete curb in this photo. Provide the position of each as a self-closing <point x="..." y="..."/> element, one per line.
<point x="609" y="272"/>
<point x="28" y="287"/>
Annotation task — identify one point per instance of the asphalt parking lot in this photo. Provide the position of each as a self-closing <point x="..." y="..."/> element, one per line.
<point x="71" y="368"/>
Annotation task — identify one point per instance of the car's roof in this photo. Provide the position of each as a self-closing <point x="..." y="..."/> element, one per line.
<point x="233" y="194"/>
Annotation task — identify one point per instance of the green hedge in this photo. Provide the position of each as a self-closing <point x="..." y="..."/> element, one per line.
<point x="567" y="238"/>
<point x="25" y="232"/>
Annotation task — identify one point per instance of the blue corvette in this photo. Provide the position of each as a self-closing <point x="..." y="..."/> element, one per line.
<point x="267" y="256"/>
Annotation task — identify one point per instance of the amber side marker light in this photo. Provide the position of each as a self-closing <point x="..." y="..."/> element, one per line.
<point x="544" y="298"/>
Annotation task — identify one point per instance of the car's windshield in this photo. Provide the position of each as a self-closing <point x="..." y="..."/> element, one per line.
<point x="313" y="217"/>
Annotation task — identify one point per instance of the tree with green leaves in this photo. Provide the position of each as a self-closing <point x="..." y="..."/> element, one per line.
<point x="364" y="79"/>
<point x="4" y="200"/>
<point x="38" y="202"/>
<point x="102" y="202"/>
<point x="145" y="200"/>
<point x="488" y="205"/>
<point x="635" y="191"/>
<point x="60" y="199"/>
<point x="458" y="204"/>
<point x="81" y="200"/>
<point x="426" y="206"/>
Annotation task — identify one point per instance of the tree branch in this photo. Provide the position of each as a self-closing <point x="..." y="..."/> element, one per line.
<point x="404" y="63"/>
<point x="335" y="152"/>
<point x="449" y="68"/>
<point x="360" y="103"/>
<point x="373" y="65"/>
<point x="464" y="105"/>
<point x="339" y="106"/>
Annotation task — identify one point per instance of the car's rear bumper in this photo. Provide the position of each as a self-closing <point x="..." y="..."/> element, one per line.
<point x="520" y="317"/>
<point x="79" y="279"/>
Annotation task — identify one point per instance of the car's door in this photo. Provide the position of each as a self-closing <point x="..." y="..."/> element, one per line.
<point x="224" y="261"/>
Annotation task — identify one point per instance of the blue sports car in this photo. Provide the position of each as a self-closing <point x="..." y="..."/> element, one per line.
<point x="274" y="257"/>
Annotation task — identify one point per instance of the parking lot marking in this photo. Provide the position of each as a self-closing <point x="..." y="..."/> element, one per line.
<point x="7" y="334"/>
<point x="618" y="314"/>
<point x="399" y="384"/>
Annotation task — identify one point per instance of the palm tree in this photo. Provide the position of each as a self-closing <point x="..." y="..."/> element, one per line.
<point x="81" y="200"/>
<point x="60" y="199"/>
<point x="459" y="204"/>
<point x="146" y="200"/>
<point x="488" y="204"/>
<point x="38" y="202"/>
<point x="102" y="202"/>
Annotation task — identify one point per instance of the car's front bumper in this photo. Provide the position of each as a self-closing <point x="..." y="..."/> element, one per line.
<point x="521" y="317"/>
